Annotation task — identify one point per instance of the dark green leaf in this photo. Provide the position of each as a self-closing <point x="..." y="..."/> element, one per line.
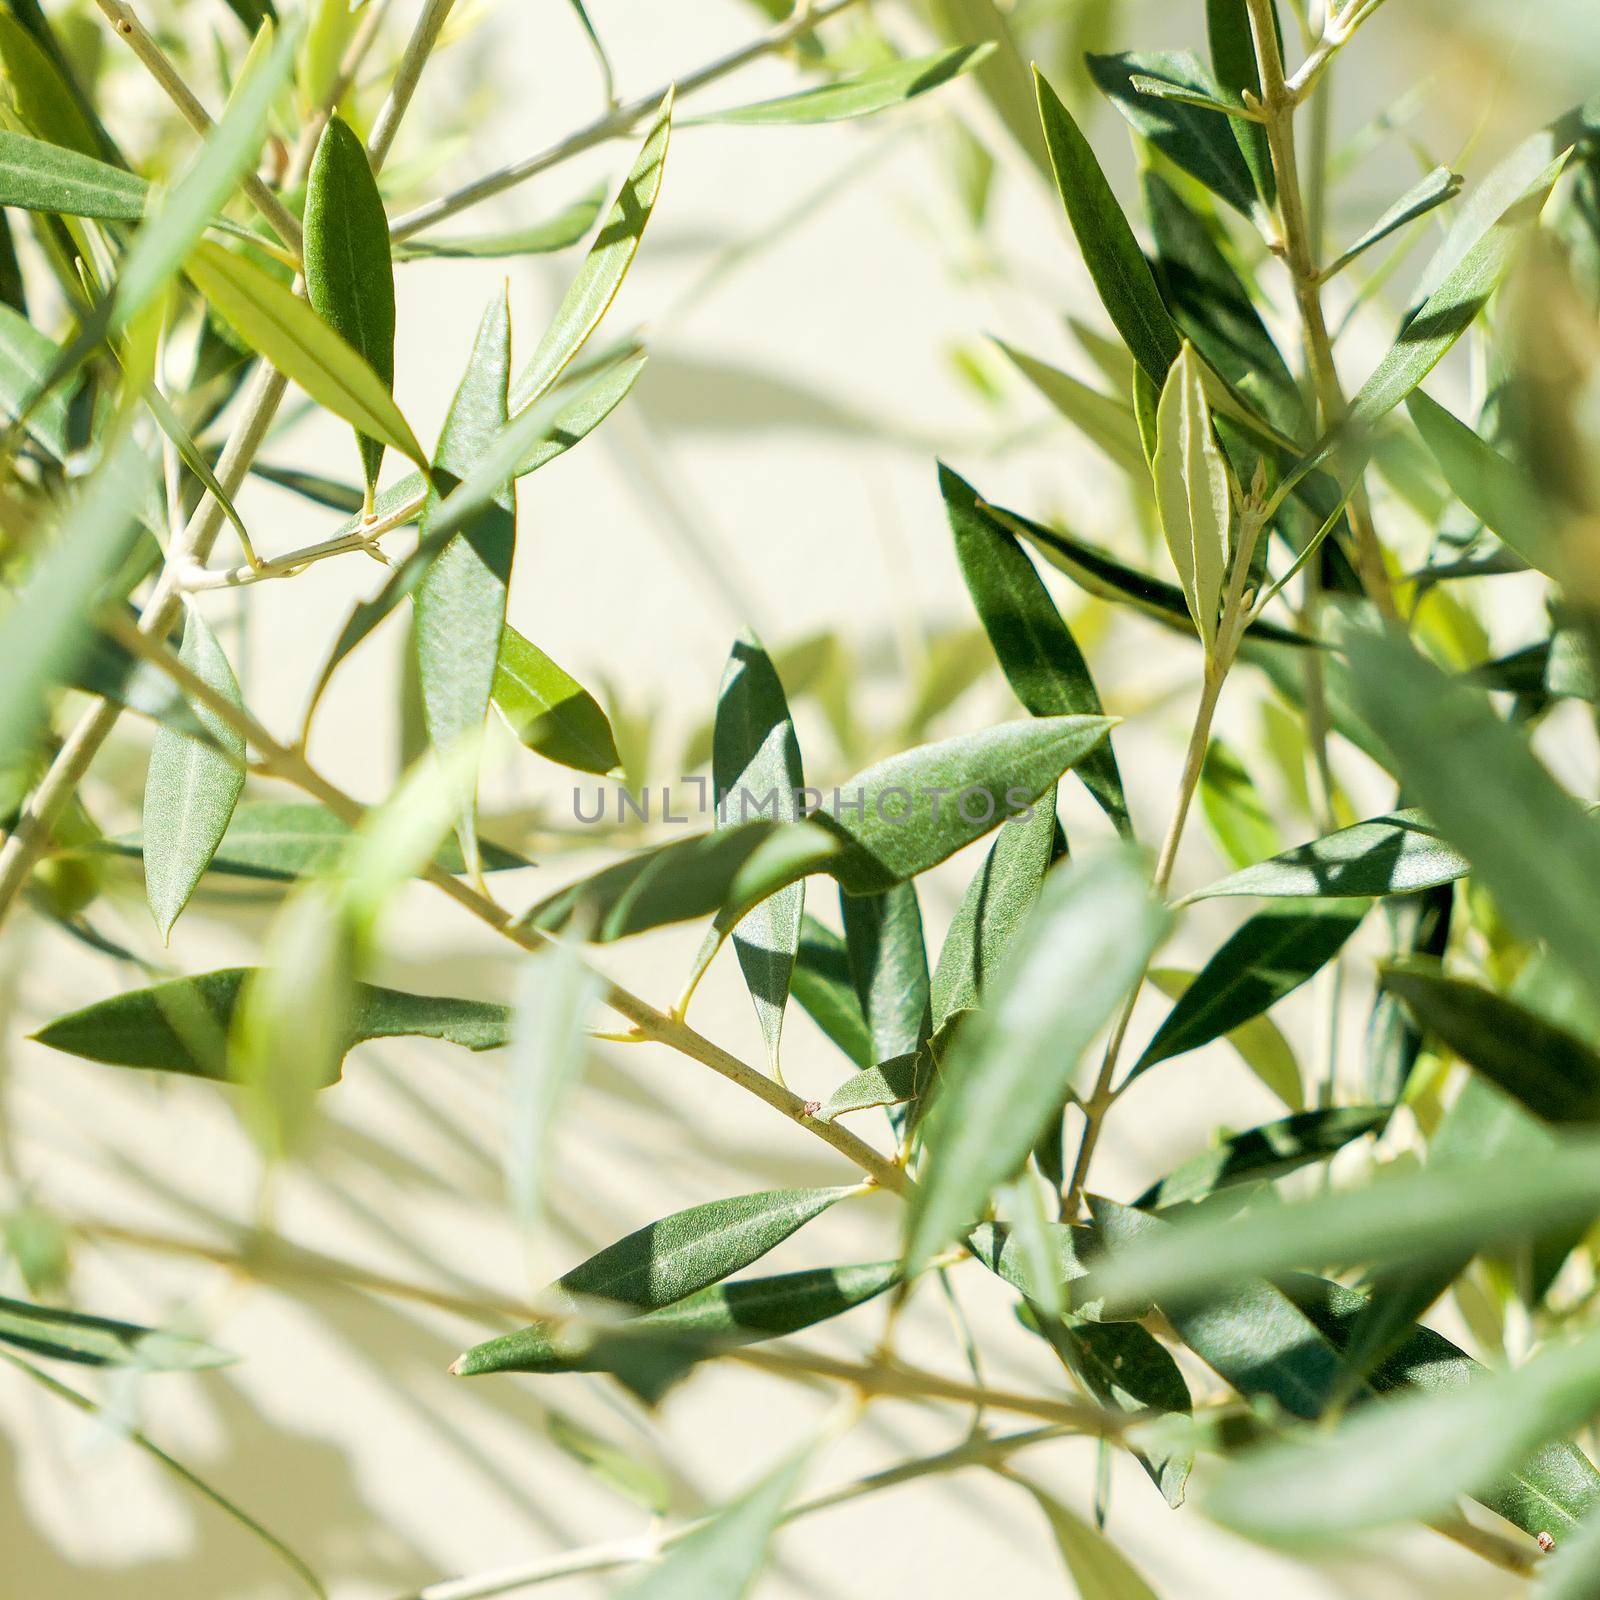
<point x="1270" y="956"/>
<point x="1550" y="1070"/>
<point x="1202" y="142"/>
<point x="1233" y="60"/>
<point x="102" y="1341"/>
<point x="889" y="967"/>
<point x="823" y="986"/>
<point x="1110" y="251"/>
<point x="1475" y="775"/>
<point x="1395" y="854"/>
<point x="191" y="786"/>
<point x="860" y="95"/>
<point x="348" y="271"/>
<point x="1264" y="1153"/>
<point x="1036" y="650"/>
<point x="1086" y="942"/>
<point x="741" y="1312"/>
<point x="182" y="1025"/>
<point x="754" y="751"/>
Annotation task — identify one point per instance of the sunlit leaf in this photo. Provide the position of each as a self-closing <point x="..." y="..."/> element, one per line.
<point x="559" y="232"/>
<point x="102" y="1341"/>
<point x="1430" y="191"/>
<point x="39" y="176"/>
<point x="1098" y="1569"/>
<point x="550" y="711"/>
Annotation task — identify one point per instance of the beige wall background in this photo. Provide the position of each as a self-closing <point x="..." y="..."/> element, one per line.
<point x="775" y="467"/>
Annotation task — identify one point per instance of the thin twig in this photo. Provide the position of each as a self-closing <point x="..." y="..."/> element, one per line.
<point x="407" y="76"/>
<point x="614" y="124"/>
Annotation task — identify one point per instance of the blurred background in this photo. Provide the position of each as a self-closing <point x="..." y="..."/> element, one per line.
<point x="816" y="303"/>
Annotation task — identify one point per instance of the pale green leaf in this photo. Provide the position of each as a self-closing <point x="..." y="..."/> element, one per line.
<point x="1192" y="495"/>
<point x="549" y="710"/>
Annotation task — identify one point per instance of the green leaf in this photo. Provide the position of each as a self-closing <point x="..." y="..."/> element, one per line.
<point x="1002" y="75"/>
<point x="1269" y="957"/>
<point x="549" y="711"/>
<point x="1099" y="1571"/>
<point x="1445" y="1208"/>
<point x="594" y="288"/>
<point x="1112" y="254"/>
<point x="689" y="1250"/>
<point x="1473" y="774"/>
<point x="1394" y="854"/>
<point x="1409" y="1458"/>
<point x="102" y="1341"/>
<point x="283" y="329"/>
<point x="1108" y="424"/>
<point x="27" y="361"/>
<point x="1501" y="496"/>
<point x="182" y="1025"/>
<point x="891" y="1083"/>
<point x="281" y="840"/>
<point x="1238" y="818"/>
<point x="163" y="244"/>
<point x="859" y="95"/>
<point x="889" y="967"/>
<point x="1200" y="141"/>
<point x="1035" y="648"/>
<point x="1428" y="192"/>
<point x="1552" y="1071"/>
<point x="996" y="905"/>
<point x="559" y="232"/>
<point x="43" y="632"/>
<point x="40" y="176"/>
<point x="1098" y="572"/>
<point x="1040" y="1275"/>
<point x="1214" y="310"/>
<point x="741" y="1312"/>
<point x="1429" y="332"/>
<point x="1192" y="493"/>
<point x="824" y="988"/>
<point x="1233" y="60"/>
<point x="720" y="1559"/>
<point x="1264" y="1153"/>
<point x="348" y="270"/>
<point x="1557" y="1483"/>
<point x="1086" y="942"/>
<point x="191" y="787"/>
<point x="1259" y="1043"/>
<point x="44" y="99"/>
<point x="461" y="598"/>
<point x="755" y="751"/>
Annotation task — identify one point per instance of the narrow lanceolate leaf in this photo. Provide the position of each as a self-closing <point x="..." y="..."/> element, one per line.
<point x="1445" y="1208"/>
<point x="889" y="967"/>
<point x="1110" y="251"/>
<point x="1473" y="774"/>
<point x="191" y="786"/>
<point x="1035" y="648"/>
<point x="754" y="752"/>
<point x="996" y="905"/>
<point x="1192" y="493"/>
<point x="1099" y="1570"/>
<point x="48" y="177"/>
<point x="590" y="295"/>
<point x="1259" y="1042"/>
<point x="1263" y="1154"/>
<point x="1557" y="1483"/>
<point x="1270" y="956"/>
<point x="182" y="1025"/>
<point x="823" y="986"/>
<point x="348" y="271"/>
<point x="1428" y="192"/>
<point x="690" y="1250"/>
<point x="27" y="358"/>
<point x="1410" y="1458"/>
<point x="549" y="710"/>
<point x="721" y="1559"/>
<point x="890" y="1083"/>
<point x="1108" y="424"/>
<point x="1014" y="1062"/>
<point x="44" y="100"/>
<point x="1503" y="497"/>
<point x="1553" y="1072"/>
<point x="102" y="1341"/>
<point x="1098" y="572"/>
<point x="1396" y="854"/>
<point x="461" y="600"/>
<point x="281" y="840"/>
<point x="741" y="1312"/>
<point x="1451" y="309"/>
<point x="1199" y="140"/>
<point x="859" y="95"/>
<point x="284" y="329"/>
<point x="1233" y="808"/>
<point x="559" y="232"/>
<point x="1002" y="75"/>
<point x="1233" y="60"/>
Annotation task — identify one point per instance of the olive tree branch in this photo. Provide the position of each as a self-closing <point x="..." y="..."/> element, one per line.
<point x="435" y="13"/>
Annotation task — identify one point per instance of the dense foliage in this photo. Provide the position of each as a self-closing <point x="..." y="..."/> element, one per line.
<point x="1263" y="1314"/>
